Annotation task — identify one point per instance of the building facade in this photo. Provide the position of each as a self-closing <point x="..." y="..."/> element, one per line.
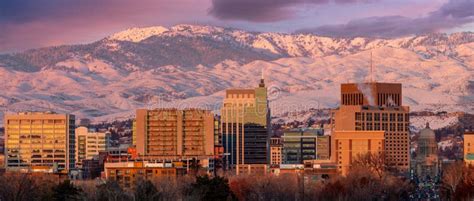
<point x="300" y="145"/>
<point x="40" y="141"/>
<point x="245" y="123"/>
<point x="174" y="134"/>
<point x="126" y="174"/>
<point x="469" y="148"/>
<point x="377" y="107"/>
<point x="347" y="146"/>
<point x="276" y="157"/>
<point x="90" y="143"/>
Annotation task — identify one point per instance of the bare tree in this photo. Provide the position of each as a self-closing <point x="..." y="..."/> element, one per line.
<point x="453" y="176"/>
<point x="371" y="161"/>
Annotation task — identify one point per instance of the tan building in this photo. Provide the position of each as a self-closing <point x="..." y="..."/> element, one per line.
<point x="90" y="143"/>
<point x="372" y="93"/>
<point x="381" y="110"/>
<point x="245" y="123"/>
<point x="174" y="134"/>
<point x="39" y="141"/>
<point x="276" y="157"/>
<point x="469" y="148"/>
<point x="127" y="173"/>
<point x="253" y="169"/>
<point x="348" y="145"/>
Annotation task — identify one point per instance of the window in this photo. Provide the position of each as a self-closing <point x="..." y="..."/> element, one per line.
<point x="369" y="116"/>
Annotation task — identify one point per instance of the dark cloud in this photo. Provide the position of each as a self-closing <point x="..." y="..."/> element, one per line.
<point x="37" y="23"/>
<point x="263" y="10"/>
<point x="453" y="14"/>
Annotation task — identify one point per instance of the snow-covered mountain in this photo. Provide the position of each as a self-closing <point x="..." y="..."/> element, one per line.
<point x="191" y="66"/>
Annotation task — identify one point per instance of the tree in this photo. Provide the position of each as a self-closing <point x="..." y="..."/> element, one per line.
<point x="146" y="191"/>
<point x="66" y="191"/>
<point x="370" y="161"/>
<point x="452" y="177"/>
<point x="216" y="188"/>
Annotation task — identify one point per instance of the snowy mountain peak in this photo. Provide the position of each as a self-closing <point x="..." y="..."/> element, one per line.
<point x="138" y="34"/>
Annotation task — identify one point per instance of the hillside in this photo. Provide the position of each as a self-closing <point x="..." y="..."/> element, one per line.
<point x="191" y="66"/>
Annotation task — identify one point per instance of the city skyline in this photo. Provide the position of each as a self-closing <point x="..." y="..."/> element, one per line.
<point x="220" y="100"/>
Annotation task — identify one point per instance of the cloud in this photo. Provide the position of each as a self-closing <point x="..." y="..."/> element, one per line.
<point x="263" y="10"/>
<point x="37" y="23"/>
<point x="452" y="14"/>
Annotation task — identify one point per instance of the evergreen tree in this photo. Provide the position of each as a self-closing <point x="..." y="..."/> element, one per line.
<point x="66" y="191"/>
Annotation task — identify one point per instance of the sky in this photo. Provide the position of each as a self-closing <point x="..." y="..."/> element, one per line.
<point x="26" y="24"/>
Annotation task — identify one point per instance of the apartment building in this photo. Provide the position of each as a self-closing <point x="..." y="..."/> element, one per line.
<point x="174" y="134"/>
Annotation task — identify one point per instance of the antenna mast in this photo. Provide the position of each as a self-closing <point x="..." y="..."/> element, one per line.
<point x="371" y="68"/>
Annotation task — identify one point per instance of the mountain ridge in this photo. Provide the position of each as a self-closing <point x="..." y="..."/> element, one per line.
<point x="189" y="65"/>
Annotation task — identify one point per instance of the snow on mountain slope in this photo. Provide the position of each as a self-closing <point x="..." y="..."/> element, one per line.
<point x="138" y="34"/>
<point x="191" y="66"/>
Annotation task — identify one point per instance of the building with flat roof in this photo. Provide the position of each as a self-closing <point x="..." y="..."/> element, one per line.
<point x="302" y="144"/>
<point x="276" y="157"/>
<point x="371" y="93"/>
<point x="127" y="173"/>
<point x="245" y="123"/>
<point x="174" y="134"/>
<point x="469" y="148"/>
<point x="89" y="143"/>
<point x="40" y="141"/>
<point x="348" y="145"/>
<point x="377" y="107"/>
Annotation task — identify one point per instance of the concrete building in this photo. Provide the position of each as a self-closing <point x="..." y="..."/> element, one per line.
<point x="245" y="123"/>
<point x="40" y="141"/>
<point x="348" y="145"/>
<point x="469" y="148"/>
<point x="426" y="161"/>
<point x="173" y="133"/>
<point x="377" y="107"/>
<point x="127" y="173"/>
<point x="276" y="157"/>
<point x="300" y="145"/>
<point x="89" y="143"/>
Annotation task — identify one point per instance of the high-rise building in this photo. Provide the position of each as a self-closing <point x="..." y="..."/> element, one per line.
<point x="469" y="148"/>
<point x="302" y="144"/>
<point x="245" y="123"/>
<point x="174" y="134"/>
<point x="377" y="107"/>
<point x="348" y="145"/>
<point x="276" y="157"/>
<point x="426" y="161"/>
<point x="89" y="143"/>
<point x="40" y="141"/>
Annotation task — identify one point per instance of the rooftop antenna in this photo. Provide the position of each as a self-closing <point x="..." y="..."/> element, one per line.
<point x="371" y="68"/>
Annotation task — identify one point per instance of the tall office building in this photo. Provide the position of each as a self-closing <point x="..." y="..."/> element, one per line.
<point x="40" y="141"/>
<point x="348" y="145"/>
<point x="469" y="148"/>
<point x="89" y="143"/>
<point x="300" y="145"/>
<point x="174" y="134"/>
<point x="377" y="107"/>
<point x="245" y="123"/>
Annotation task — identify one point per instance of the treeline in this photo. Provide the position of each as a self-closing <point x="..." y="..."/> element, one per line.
<point x="364" y="182"/>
